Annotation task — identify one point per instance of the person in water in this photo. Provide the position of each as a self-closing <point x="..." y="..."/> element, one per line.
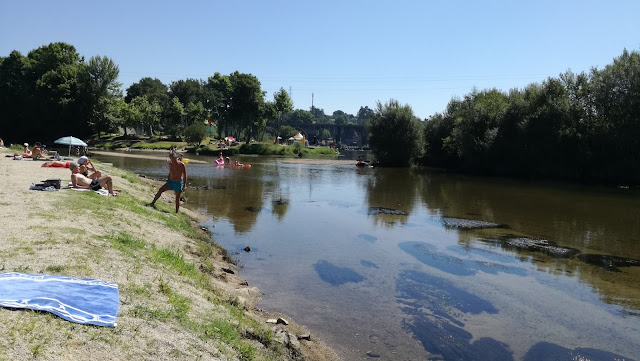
<point x="176" y="180"/>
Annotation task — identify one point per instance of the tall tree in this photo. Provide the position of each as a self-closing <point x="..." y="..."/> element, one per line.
<point x="218" y="88"/>
<point x="247" y="100"/>
<point x="395" y="134"/>
<point x="282" y="104"/>
<point x="152" y="88"/>
<point x="188" y="91"/>
<point x="101" y="89"/>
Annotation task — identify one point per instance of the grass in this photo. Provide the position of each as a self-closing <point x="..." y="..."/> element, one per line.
<point x="167" y="298"/>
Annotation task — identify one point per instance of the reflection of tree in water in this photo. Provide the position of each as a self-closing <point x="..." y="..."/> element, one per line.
<point x="278" y="192"/>
<point x="594" y="222"/>
<point x="391" y="196"/>
<point x="239" y="199"/>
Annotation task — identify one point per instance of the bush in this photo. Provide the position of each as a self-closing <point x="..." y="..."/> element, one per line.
<point x="195" y="133"/>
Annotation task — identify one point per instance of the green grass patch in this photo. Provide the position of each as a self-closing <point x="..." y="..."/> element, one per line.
<point x="150" y="313"/>
<point x="181" y="305"/>
<point x="175" y="262"/>
<point x="54" y="269"/>
<point x="126" y="243"/>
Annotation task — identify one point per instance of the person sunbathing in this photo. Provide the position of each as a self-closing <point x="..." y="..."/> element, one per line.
<point x="85" y="165"/>
<point x="26" y="153"/>
<point x="55" y="164"/>
<point x="78" y="180"/>
<point x="36" y="153"/>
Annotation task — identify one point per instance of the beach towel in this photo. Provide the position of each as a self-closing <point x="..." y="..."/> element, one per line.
<point x="102" y="191"/>
<point x="80" y="300"/>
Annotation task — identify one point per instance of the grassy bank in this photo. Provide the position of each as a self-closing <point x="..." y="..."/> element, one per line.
<point x="180" y="296"/>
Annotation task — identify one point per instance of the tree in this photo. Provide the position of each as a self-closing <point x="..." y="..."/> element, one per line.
<point x="364" y="114"/>
<point x="101" y="91"/>
<point x="340" y="117"/>
<point x="188" y="91"/>
<point x="394" y="134"/>
<point x="195" y="112"/>
<point x="218" y="88"/>
<point x="128" y="115"/>
<point x="287" y="131"/>
<point x="299" y="116"/>
<point x="247" y="100"/>
<point x="194" y="133"/>
<point x="282" y="104"/>
<point x="153" y="89"/>
<point x="173" y="115"/>
<point x="149" y="112"/>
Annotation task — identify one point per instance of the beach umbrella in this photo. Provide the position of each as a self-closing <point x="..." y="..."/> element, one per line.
<point x="71" y="141"/>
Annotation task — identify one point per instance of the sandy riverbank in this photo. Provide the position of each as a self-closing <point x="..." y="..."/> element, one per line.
<point x="180" y="298"/>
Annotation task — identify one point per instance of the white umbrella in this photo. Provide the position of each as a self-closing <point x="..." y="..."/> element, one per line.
<point x="71" y="141"/>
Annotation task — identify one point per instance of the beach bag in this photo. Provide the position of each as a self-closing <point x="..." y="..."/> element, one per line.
<point x="52" y="183"/>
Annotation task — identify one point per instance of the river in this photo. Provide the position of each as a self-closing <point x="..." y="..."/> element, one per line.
<point x="406" y="264"/>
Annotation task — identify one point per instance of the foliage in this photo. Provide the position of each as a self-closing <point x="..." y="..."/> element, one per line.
<point x="394" y="134"/>
<point x="287" y="131"/>
<point x="246" y="105"/>
<point x="194" y="133"/>
<point x="583" y="127"/>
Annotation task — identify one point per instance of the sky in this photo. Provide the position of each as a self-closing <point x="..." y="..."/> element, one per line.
<point x="337" y="55"/>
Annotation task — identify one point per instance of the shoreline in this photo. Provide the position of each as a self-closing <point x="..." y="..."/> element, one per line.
<point x="174" y="281"/>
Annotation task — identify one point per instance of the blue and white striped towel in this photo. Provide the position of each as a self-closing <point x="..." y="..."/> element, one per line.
<point x="85" y="300"/>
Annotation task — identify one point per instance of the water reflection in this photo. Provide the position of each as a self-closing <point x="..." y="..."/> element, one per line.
<point x="429" y="255"/>
<point x="548" y="225"/>
<point x="391" y="196"/>
<point x="405" y="264"/>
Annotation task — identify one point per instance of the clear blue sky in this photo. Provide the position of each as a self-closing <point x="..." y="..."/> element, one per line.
<point x="347" y="53"/>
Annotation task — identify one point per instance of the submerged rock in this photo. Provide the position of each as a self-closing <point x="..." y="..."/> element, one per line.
<point x="609" y="263"/>
<point x="382" y="210"/>
<point x="462" y="223"/>
<point x="541" y="245"/>
<point x="535" y="245"/>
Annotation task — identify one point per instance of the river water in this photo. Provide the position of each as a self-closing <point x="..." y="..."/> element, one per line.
<point x="402" y="264"/>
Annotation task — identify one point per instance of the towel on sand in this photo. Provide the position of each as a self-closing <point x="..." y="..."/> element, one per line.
<point x="80" y="300"/>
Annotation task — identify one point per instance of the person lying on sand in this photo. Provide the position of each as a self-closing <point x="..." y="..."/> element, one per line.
<point x="55" y="164"/>
<point x="78" y="180"/>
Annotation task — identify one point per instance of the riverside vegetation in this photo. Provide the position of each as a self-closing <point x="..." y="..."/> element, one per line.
<point x="180" y="297"/>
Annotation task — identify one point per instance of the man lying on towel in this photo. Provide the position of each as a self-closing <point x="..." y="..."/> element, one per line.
<point x="79" y="180"/>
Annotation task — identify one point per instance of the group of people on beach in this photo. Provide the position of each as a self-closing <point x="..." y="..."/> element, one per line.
<point x="84" y="174"/>
<point x="39" y="152"/>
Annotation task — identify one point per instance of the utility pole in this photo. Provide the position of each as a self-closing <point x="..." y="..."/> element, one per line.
<point x="311" y="100"/>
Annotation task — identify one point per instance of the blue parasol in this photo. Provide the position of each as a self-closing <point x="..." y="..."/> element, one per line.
<point x="71" y="141"/>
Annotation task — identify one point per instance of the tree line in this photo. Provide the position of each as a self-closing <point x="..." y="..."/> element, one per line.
<point x="582" y="127"/>
<point x="53" y="91"/>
